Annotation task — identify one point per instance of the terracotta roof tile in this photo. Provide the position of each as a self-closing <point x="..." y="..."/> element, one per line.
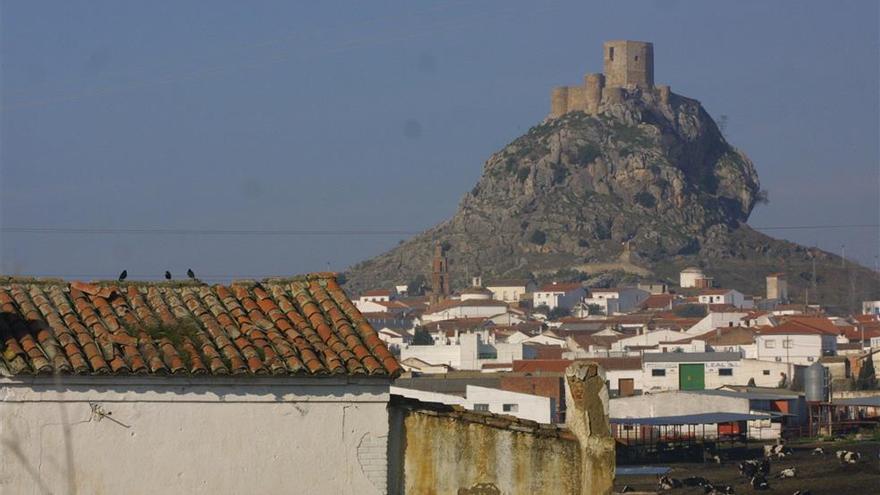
<point x="305" y="325"/>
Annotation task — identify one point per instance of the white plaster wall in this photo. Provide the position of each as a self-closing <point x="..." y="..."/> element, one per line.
<point x="507" y="294"/>
<point x="675" y="404"/>
<point x="464" y="312"/>
<point x="802" y="349"/>
<point x="743" y="370"/>
<point x="211" y="436"/>
<point x="433" y="354"/>
<point x="715" y="320"/>
<point x="532" y="407"/>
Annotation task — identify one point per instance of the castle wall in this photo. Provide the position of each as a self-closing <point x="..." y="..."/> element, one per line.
<point x="577" y="99"/>
<point x="559" y="101"/>
<point x="593" y="84"/>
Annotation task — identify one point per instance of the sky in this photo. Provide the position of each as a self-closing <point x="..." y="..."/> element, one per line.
<point x="248" y="139"/>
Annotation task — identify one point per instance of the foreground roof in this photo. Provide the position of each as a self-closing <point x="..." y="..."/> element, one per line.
<point x="299" y="326"/>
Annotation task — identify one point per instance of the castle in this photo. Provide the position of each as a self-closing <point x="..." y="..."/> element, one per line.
<point x="627" y="65"/>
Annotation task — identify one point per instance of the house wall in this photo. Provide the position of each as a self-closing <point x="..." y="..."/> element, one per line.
<point x="508" y="294"/>
<point x="434" y="354"/>
<point x="531" y="407"/>
<point x="182" y="435"/>
<point x="793" y="348"/>
<point x="464" y="312"/>
<point x="765" y="373"/>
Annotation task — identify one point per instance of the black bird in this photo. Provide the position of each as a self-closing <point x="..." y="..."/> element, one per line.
<point x="191" y="274"/>
<point x="123" y="275"/>
<point x="167" y="275"/>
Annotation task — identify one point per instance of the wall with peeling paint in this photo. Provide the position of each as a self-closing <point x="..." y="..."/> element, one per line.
<point x="445" y="450"/>
<point x="134" y="435"/>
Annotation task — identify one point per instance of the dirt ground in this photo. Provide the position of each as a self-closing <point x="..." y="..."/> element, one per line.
<point x="818" y="474"/>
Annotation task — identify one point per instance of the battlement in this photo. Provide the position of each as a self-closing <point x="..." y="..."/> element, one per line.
<point x="627" y="65"/>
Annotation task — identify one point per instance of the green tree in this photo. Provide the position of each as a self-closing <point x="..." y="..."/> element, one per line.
<point x="595" y="309"/>
<point x="422" y="337"/>
<point x="559" y="312"/>
<point x="689" y="311"/>
<point x="867" y="379"/>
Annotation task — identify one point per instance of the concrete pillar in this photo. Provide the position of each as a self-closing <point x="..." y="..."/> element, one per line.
<point x="587" y="418"/>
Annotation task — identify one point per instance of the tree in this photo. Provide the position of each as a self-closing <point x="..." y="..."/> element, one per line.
<point x="543" y="309"/>
<point x="416" y="286"/>
<point x="595" y="309"/>
<point x="867" y="379"/>
<point x="558" y="312"/>
<point x="422" y="337"/>
<point x="689" y="311"/>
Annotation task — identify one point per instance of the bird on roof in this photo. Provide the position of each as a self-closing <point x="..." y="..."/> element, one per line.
<point x="191" y="274"/>
<point x="167" y="275"/>
<point x="123" y="275"/>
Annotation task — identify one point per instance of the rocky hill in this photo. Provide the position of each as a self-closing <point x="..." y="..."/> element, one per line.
<point x="636" y="191"/>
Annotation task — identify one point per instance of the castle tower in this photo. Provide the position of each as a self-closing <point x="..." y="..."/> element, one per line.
<point x="439" y="275"/>
<point x="629" y="63"/>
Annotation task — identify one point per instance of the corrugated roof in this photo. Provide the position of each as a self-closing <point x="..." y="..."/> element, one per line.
<point x="690" y="419"/>
<point x="300" y="326"/>
<point x="690" y="357"/>
<point x="873" y="401"/>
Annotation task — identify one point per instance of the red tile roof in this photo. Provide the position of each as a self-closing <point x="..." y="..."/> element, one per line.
<point x="790" y="328"/>
<point x="453" y="303"/>
<point x="377" y="293"/>
<point x="659" y="301"/>
<point x="561" y="287"/>
<point x="299" y="326"/>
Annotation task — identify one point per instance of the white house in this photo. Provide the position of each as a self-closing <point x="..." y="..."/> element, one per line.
<point x="708" y="370"/>
<point x="789" y="343"/>
<point x="486" y="399"/>
<point x="618" y="300"/>
<point x="692" y="277"/>
<point x="715" y="320"/>
<point x="188" y="388"/>
<point x="559" y="295"/>
<point x="732" y="297"/>
<point x="871" y="307"/>
<point x="468" y="351"/>
<point x="509" y="291"/>
<point x="652" y="338"/>
<point x="474" y="308"/>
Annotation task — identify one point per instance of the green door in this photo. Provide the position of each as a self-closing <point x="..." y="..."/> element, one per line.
<point x="691" y="377"/>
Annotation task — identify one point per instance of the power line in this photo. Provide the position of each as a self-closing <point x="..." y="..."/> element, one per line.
<point x="206" y="232"/>
<point x="307" y="232"/>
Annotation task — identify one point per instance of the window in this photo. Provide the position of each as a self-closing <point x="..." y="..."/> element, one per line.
<point x="510" y="407"/>
<point x="725" y="371"/>
<point x="769" y="344"/>
<point x="637" y="58"/>
<point x="611" y="53"/>
<point x="766" y="372"/>
<point x="810" y="358"/>
<point x="658" y="372"/>
<point x="481" y="407"/>
<point x="786" y="344"/>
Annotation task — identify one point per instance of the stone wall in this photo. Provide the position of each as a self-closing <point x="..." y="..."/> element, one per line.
<point x="448" y="450"/>
<point x="438" y="449"/>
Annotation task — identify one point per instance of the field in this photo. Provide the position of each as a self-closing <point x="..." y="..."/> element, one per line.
<point x="818" y="474"/>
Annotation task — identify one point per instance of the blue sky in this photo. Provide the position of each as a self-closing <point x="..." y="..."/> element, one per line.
<point x="378" y="117"/>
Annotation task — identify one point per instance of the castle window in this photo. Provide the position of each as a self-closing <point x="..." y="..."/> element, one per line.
<point x="611" y="53"/>
<point x="637" y="58"/>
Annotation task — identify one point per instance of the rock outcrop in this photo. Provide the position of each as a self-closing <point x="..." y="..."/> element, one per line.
<point x="638" y="190"/>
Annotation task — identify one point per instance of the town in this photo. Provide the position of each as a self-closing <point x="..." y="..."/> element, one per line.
<point x="249" y="248"/>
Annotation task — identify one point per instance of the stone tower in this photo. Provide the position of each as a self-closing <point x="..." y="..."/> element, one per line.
<point x="777" y="287"/>
<point x="439" y="275"/>
<point x="629" y="63"/>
